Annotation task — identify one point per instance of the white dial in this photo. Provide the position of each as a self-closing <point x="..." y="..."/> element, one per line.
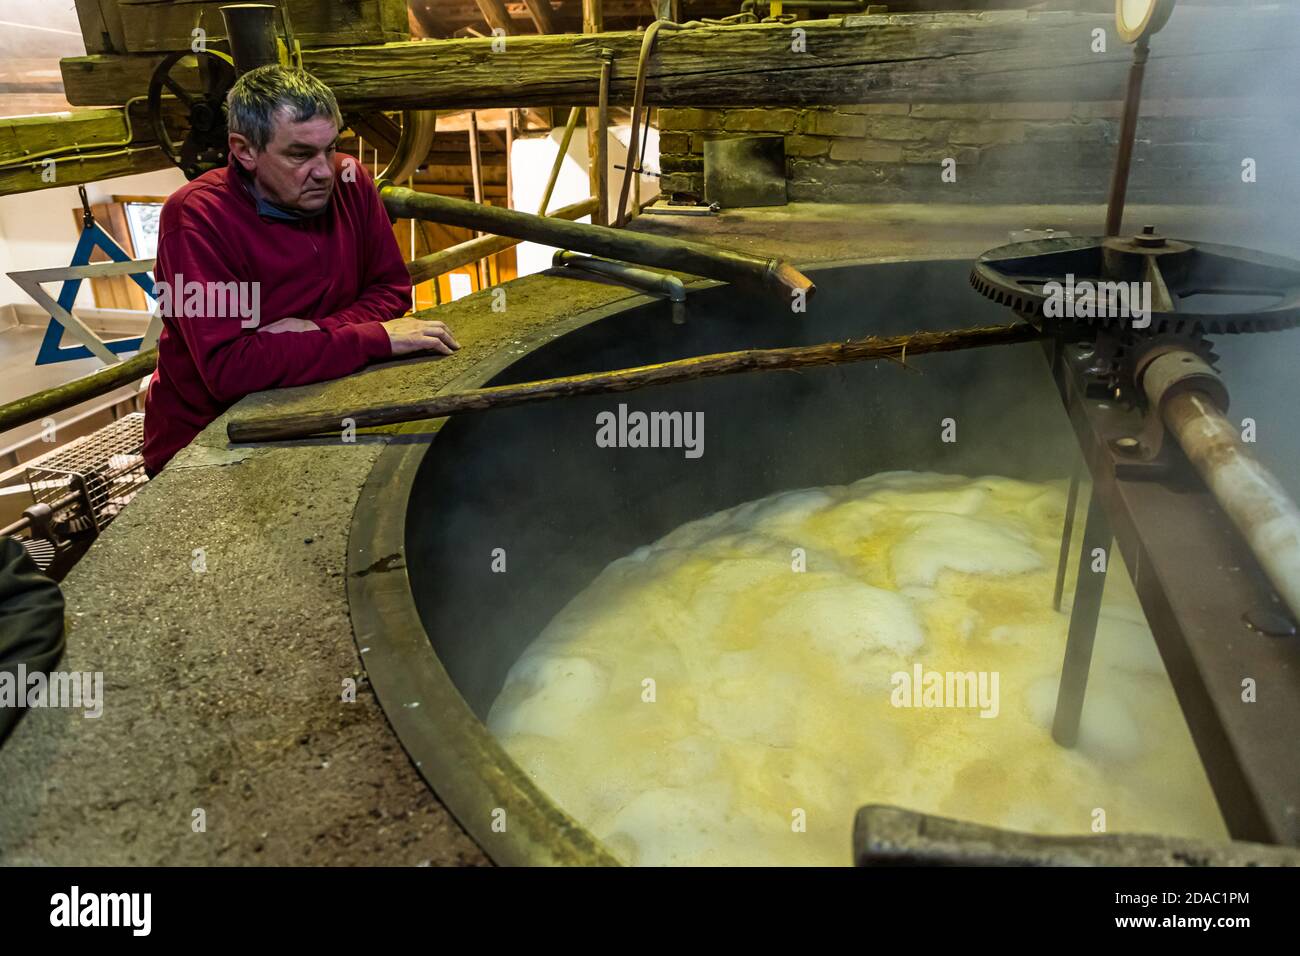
<point x="1136" y="19"/>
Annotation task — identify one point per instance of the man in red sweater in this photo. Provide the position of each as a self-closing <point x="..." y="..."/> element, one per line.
<point x="281" y="269"/>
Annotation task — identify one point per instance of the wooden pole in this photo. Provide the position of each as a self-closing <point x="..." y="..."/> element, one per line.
<point x="540" y="11"/>
<point x="305" y="424"/>
<point x="35" y="407"/>
<point x="559" y="159"/>
<point x="602" y="135"/>
<point x="476" y="168"/>
<point x="773" y="276"/>
<point x="593" y="21"/>
<point x="496" y="15"/>
<point x="510" y="148"/>
<point x="464" y="253"/>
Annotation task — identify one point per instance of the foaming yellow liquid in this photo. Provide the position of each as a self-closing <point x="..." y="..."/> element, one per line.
<point x="732" y="695"/>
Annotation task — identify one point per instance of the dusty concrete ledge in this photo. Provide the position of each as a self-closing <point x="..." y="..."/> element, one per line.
<point x="223" y="688"/>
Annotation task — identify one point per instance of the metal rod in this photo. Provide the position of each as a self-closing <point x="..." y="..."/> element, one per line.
<point x="1128" y="131"/>
<point x="1063" y="561"/>
<point x="656" y="283"/>
<point x="1257" y="504"/>
<point x="303" y="425"/>
<point x="1088" y="590"/>
<point x="774" y="275"/>
<point x="638" y="97"/>
<point x="559" y="159"/>
<point x="413" y="145"/>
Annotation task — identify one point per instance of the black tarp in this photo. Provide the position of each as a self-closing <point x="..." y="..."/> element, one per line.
<point x="31" y="620"/>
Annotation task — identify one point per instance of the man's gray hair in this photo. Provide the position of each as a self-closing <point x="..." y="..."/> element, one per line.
<point x="260" y="93"/>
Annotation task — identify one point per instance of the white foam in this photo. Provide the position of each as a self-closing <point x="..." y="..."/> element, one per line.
<point x="971" y="545"/>
<point x="773" y="687"/>
<point x="551" y="695"/>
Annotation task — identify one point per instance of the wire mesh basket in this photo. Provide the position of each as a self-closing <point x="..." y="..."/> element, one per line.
<point x="87" y="482"/>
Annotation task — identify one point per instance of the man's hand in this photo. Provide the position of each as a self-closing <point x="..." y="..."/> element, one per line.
<point x="290" y="325"/>
<point x="409" y="334"/>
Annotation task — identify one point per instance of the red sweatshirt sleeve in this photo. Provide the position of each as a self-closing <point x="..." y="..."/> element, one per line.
<point x="234" y="361"/>
<point x="387" y="292"/>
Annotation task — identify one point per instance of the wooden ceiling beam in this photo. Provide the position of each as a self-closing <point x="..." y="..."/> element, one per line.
<point x="925" y="58"/>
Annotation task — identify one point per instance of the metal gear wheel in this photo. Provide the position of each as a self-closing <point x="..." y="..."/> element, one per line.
<point x="1193" y="289"/>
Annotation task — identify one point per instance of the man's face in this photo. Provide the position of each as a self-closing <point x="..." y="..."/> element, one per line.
<point x="296" y="169"/>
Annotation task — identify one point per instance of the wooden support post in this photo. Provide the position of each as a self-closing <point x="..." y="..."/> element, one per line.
<point x="510" y="148"/>
<point x="540" y="11"/>
<point x="559" y="159"/>
<point x="593" y="21"/>
<point x="476" y="168"/>
<point x="496" y="15"/>
<point x="602" y="135"/>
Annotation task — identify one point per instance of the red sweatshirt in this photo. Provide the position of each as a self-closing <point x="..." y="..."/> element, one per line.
<point x="341" y="269"/>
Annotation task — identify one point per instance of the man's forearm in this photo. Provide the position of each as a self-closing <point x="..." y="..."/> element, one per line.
<point x="376" y="304"/>
<point x="255" y="362"/>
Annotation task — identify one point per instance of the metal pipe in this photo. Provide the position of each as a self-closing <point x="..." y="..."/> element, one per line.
<point x="638" y="97"/>
<point x="1067" y="532"/>
<point x="1088" y="589"/>
<point x="774" y="275"/>
<point x="250" y="28"/>
<point x="656" y="283"/>
<point x="1247" y="491"/>
<point x="418" y="127"/>
<point x="1128" y="131"/>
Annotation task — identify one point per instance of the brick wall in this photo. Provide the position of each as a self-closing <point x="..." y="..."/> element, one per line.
<point x="1186" y="150"/>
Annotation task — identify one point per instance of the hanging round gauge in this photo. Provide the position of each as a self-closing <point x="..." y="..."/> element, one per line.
<point x="1139" y="19"/>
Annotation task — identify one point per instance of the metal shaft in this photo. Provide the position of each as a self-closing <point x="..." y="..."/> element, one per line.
<point x="1124" y="158"/>
<point x="774" y="275"/>
<point x="1088" y="589"/>
<point x="1257" y="504"/>
<point x="251" y="30"/>
<point x="657" y="283"/>
<point x="1067" y="533"/>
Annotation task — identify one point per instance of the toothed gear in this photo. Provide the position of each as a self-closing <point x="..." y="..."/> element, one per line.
<point x="1214" y="289"/>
